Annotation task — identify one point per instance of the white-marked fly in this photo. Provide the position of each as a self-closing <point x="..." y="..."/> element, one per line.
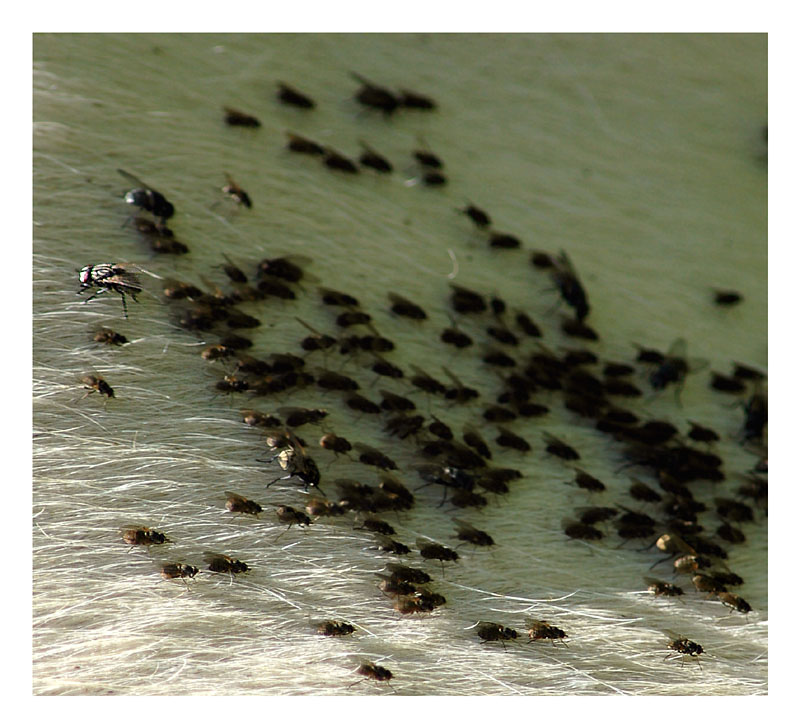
<point x="109" y="277"/>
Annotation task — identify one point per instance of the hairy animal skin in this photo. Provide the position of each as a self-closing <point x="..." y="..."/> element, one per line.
<point x="165" y="450"/>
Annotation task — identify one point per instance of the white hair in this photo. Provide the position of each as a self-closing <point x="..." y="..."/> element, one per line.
<point x="163" y="452"/>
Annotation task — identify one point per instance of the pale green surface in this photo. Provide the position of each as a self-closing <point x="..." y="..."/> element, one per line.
<point x="641" y="156"/>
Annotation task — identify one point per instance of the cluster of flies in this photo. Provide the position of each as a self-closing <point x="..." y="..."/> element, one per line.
<point x="537" y="630"/>
<point x="371" y="96"/>
<point x="511" y="349"/>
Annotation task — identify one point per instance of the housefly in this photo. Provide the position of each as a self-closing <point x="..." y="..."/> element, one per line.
<point x="494" y="632"/>
<point x="298" y="416"/>
<point x="418" y="600"/>
<point x="334" y="443"/>
<point x="236" y="503"/>
<point x="734" y="602"/>
<point x="506" y="438"/>
<point x="390" y="546"/>
<point x="662" y="588"/>
<point x="178" y="571"/>
<point x="573" y="293"/>
<point x="254" y="418"/>
<point x="317" y="507"/>
<point x="302" y="145"/>
<point x="337" y="298"/>
<point x="698" y="433"/>
<point x="456" y="337"/>
<point x="293" y="97"/>
<point x="109" y="336"/>
<point x="727" y="298"/>
<point x="478" y="216"/>
<point x="334" y="628"/>
<point x="334" y="160"/>
<point x="539" y="630"/>
<point x="540" y="259"/>
<point x="581" y="531"/>
<point x="97" y="384"/>
<point x="414" y="100"/>
<point x="683" y="645"/>
<point x="427" y="159"/>
<point x="374" y="96"/>
<point x="223" y="564"/>
<point x="287" y="514"/>
<point x="361" y="404"/>
<point x="287" y="268"/>
<point x="371" y="456"/>
<point x="476" y="442"/>
<point x="374" y="672"/>
<point x="392" y="402"/>
<point x="401" y="572"/>
<point x="596" y="514"/>
<point x="436" y="551"/>
<point x="376" y="525"/>
<point x="527" y="325"/>
<point x="755" y="417"/>
<point x="723" y="383"/>
<point x="504" y="241"/>
<point x="403" y="307"/>
<point x="588" y="482"/>
<point x="106" y="277"/>
<point x="143" y="536"/>
<point x="466" y="301"/>
<point x="236" y="193"/>
<point x="674" y="367"/>
<point x="370" y="158"/>
<point x="559" y="448"/>
<point x="470" y="534"/>
<point x="234" y="117"/>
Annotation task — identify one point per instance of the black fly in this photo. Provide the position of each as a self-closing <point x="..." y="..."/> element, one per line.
<point x="97" y="384"/>
<point x="234" y="117"/>
<point x="375" y="96"/>
<point x="570" y="287"/>
<point x="236" y="193"/>
<point x="293" y="97"/>
<point x="146" y="198"/>
<point x="109" y="336"/>
<point x="370" y="158"/>
<point x="673" y="368"/>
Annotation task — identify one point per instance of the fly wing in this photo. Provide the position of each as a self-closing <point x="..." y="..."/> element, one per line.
<point x="309" y="327"/>
<point x="552" y="440"/>
<point x="213" y="556"/>
<point x="452" y="377"/>
<point x="696" y="364"/>
<point x="532" y="623"/>
<point x="365" y="449"/>
<point x="465" y="526"/>
<point x="298" y="450"/>
<point x="681" y="544"/>
<point x="280" y="439"/>
<point x="565" y="263"/>
<point x="128" y="279"/>
<point x="133" y="179"/>
<point x="677" y="349"/>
